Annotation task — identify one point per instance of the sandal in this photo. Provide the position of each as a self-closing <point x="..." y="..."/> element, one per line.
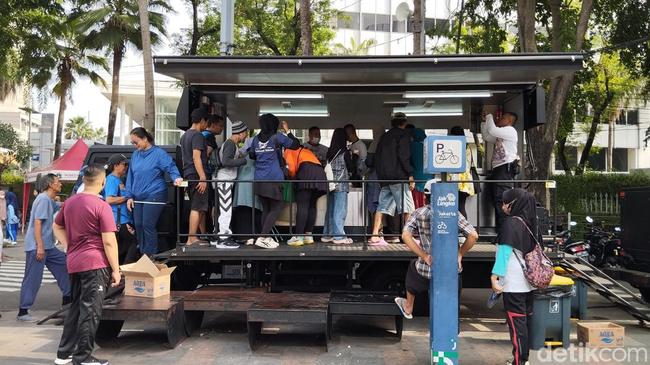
<point x="381" y="242"/>
<point x="400" y="304"/>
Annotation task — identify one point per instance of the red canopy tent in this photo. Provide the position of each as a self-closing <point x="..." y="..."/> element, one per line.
<point x="66" y="167"/>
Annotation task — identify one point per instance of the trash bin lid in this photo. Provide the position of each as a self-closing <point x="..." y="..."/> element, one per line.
<point x="559" y="280"/>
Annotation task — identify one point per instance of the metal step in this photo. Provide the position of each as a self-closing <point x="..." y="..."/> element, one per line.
<point x="610" y="289"/>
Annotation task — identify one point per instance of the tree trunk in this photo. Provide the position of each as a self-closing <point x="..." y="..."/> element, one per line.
<point x="610" y="145"/>
<point x="561" y="155"/>
<point x="526" y="25"/>
<point x="60" y="119"/>
<point x="195" y="28"/>
<point x="149" y="120"/>
<point x="118" y="53"/>
<point x="305" y="28"/>
<point x="417" y="27"/>
<point x="598" y="113"/>
<point x="543" y="137"/>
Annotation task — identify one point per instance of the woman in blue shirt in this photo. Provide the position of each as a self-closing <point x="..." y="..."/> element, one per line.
<point x="515" y="241"/>
<point x="146" y="187"/>
<point x="266" y="150"/>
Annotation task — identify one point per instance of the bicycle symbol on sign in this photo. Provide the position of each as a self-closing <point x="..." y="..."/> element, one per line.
<point x="446" y="155"/>
<point x="442" y="226"/>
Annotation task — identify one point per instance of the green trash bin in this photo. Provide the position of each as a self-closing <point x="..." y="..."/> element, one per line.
<point x="551" y="319"/>
<point x="579" y="299"/>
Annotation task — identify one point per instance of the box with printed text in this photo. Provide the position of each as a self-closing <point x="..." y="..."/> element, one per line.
<point x="146" y="279"/>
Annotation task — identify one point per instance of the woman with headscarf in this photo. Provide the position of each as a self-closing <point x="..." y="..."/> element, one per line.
<point x="417" y="161"/>
<point x="338" y="156"/>
<point x="266" y="150"/>
<point x="515" y="241"/>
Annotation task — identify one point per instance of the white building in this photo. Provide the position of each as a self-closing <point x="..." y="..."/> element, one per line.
<point x="379" y="20"/>
<point x="131" y="110"/>
<point x="12" y="114"/>
<point x="628" y="135"/>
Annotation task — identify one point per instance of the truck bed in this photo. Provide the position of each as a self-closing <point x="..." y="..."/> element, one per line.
<point x="317" y="251"/>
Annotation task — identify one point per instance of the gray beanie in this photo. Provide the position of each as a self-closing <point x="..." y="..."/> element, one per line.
<point x="238" y="127"/>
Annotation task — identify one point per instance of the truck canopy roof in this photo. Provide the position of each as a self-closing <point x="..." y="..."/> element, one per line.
<point x="365" y="90"/>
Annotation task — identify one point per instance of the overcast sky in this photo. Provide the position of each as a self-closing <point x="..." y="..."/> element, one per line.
<point x="87" y="100"/>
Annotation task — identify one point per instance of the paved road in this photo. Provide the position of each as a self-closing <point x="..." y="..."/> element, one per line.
<point x="11" y="276"/>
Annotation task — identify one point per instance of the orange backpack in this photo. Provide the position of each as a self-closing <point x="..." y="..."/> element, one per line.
<point x="296" y="157"/>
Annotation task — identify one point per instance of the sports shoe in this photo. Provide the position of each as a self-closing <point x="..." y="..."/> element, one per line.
<point x="94" y="361"/>
<point x="228" y="243"/>
<point x="63" y="360"/>
<point x="266" y="242"/>
<point x="250" y="241"/>
<point x="295" y="241"/>
<point x="325" y="239"/>
<point x="342" y="241"/>
<point x="308" y="240"/>
<point x="27" y="318"/>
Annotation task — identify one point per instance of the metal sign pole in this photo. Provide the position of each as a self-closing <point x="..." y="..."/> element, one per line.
<point x="444" y="277"/>
<point x="444" y="154"/>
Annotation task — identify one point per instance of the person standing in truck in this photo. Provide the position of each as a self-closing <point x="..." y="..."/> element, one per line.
<point x="230" y="160"/>
<point x="215" y="128"/>
<point x="505" y="161"/>
<point x="146" y="187"/>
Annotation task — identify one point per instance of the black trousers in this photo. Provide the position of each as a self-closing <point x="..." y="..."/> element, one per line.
<point x="462" y="200"/>
<point x="306" y="210"/>
<point x="519" y="308"/>
<point x="82" y="320"/>
<point x="127" y="245"/>
<point x="503" y="172"/>
<point x="271" y="209"/>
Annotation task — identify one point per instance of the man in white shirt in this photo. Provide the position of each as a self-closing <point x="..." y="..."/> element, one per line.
<point x="505" y="160"/>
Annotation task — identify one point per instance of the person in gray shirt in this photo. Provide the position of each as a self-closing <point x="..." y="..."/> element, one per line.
<point x="315" y="146"/>
<point x="230" y="160"/>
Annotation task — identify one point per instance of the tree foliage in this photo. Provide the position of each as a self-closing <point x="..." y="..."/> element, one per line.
<point x="266" y="28"/>
<point x="13" y="151"/>
<point x="79" y="128"/>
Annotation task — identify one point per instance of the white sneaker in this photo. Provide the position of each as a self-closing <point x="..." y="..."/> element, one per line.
<point x="250" y="242"/>
<point x="295" y="241"/>
<point x="266" y="242"/>
<point x="308" y="240"/>
<point x="65" y="361"/>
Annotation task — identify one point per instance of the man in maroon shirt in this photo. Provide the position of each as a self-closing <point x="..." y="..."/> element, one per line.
<point x="85" y="225"/>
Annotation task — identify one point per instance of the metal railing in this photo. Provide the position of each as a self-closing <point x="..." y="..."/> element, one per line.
<point x="365" y="213"/>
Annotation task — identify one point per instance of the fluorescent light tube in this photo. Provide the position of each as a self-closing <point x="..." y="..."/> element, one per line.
<point x="278" y="96"/>
<point x="447" y="94"/>
<point x="299" y="114"/>
<point x="433" y="114"/>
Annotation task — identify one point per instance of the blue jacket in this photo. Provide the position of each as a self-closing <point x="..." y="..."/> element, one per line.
<point x="146" y="177"/>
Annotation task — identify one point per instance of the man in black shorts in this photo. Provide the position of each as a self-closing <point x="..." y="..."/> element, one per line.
<point x="195" y="159"/>
<point x="419" y="271"/>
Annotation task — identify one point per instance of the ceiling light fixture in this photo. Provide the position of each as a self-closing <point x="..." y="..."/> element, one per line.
<point x="277" y="96"/>
<point x="433" y="114"/>
<point x="448" y="94"/>
<point x="300" y="114"/>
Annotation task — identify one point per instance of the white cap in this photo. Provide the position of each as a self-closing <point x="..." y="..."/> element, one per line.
<point x="428" y="186"/>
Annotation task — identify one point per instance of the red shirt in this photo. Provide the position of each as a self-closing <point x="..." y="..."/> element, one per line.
<point x="85" y="217"/>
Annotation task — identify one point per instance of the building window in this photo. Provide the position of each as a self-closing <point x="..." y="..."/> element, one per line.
<point x="383" y="23"/>
<point x="571" y="154"/>
<point x="368" y="22"/>
<point x="399" y="26"/>
<point x="633" y="117"/>
<point x="619" y="160"/>
<point x="597" y="161"/>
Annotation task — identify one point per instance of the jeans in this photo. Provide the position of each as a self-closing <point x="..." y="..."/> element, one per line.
<point x="145" y="217"/>
<point x="82" y="320"/>
<point x="55" y="260"/>
<point x="12" y="232"/>
<point x="337" y="210"/>
<point x="395" y="197"/>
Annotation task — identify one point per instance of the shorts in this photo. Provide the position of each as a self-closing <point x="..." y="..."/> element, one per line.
<point x="395" y="197"/>
<point x="416" y="283"/>
<point x="198" y="201"/>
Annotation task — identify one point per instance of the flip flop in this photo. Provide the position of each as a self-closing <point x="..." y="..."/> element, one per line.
<point x="400" y="304"/>
<point x="381" y="242"/>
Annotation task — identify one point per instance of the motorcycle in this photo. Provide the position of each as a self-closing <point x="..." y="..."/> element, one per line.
<point x="604" y="246"/>
<point x="565" y="243"/>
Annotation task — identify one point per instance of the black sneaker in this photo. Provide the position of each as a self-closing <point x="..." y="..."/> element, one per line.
<point x="94" y="361"/>
<point x="228" y="243"/>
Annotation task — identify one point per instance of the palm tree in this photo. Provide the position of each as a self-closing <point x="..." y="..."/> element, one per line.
<point x="78" y="128"/>
<point x="63" y="60"/>
<point x="115" y="25"/>
<point x="355" y="49"/>
<point x="149" y="120"/>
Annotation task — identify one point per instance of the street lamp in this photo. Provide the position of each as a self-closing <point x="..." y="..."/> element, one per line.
<point x="29" y="112"/>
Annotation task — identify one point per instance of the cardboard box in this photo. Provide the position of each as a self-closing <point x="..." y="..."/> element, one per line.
<point x="146" y="279"/>
<point x="601" y="334"/>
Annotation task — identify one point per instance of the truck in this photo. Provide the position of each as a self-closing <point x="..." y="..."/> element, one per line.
<point x="435" y="92"/>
